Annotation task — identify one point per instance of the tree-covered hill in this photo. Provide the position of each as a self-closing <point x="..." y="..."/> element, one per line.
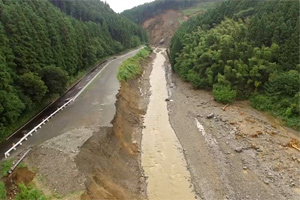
<point x="148" y="10"/>
<point x="42" y="49"/>
<point x="119" y="27"/>
<point x="244" y="49"/>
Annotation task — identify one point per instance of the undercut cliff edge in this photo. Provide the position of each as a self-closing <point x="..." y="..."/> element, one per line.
<point x="94" y="162"/>
<point x="111" y="158"/>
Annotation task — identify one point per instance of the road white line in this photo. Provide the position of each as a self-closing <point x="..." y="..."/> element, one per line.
<point x="64" y="93"/>
<point x="7" y="153"/>
<point x="77" y="95"/>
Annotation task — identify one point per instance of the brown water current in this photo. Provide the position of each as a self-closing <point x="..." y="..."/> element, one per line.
<point x="162" y="155"/>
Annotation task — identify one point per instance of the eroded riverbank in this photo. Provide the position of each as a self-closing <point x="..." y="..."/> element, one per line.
<point x="96" y="161"/>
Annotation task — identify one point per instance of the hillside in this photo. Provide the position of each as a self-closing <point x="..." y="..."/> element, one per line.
<point x="161" y="28"/>
<point x="146" y="11"/>
<point x="44" y="49"/>
<point x="120" y="28"/>
<point x="162" y="18"/>
<point x="244" y="50"/>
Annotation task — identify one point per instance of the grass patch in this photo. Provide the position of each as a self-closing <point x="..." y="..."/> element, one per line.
<point x="130" y="68"/>
<point x="285" y="108"/>
<point x="6" y="166"/>
<point x="224" y="94"/>
<point x="29" y="192"/>
<point x="2" y="191"/>
<point x="203" y="6"/>
<point x="21" y="165"/>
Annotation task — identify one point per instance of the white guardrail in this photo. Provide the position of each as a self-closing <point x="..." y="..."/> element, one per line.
<point x="25" y="138"/>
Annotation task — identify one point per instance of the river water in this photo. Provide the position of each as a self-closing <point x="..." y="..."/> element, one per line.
<point x="162" y="155"/>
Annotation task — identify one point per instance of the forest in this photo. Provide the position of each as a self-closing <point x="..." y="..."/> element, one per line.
<point x="46" y="45"/>
<point x="148" y="10"/>
<point x="244" y="50"/>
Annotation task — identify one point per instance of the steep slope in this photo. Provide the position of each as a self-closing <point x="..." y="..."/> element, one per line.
<point x="162" y="18"/>
<point x="120" y="28"/>
<point x="161" y="28"/>
<point x="146" y="11"/>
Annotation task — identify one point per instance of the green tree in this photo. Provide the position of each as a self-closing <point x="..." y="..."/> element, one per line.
<point x="224" y="94"/>
<point x="33" y="86"/>
<point x="55" y="79"/>
<point x="248" y="49"/>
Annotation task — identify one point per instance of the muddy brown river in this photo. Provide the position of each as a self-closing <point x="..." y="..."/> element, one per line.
<point x="162" y="154"/>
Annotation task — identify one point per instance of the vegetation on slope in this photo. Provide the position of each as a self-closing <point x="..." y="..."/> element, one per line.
<point x="244" y="49"/>
<point x="201" y="7"/>
<point x="146" y="11"/>
<point x="42" y="49"/>
<point x="30" y="192"/>
<point x="130" y="68"/>
<point x="6" y="167"/>
<point x="120" y="28"/>
<point x="2" y="190"/>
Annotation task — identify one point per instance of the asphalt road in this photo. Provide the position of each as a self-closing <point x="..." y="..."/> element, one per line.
<point x="94" y="107"/>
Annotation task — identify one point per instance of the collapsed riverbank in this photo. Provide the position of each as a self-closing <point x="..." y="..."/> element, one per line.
<point x="92" y="162"/>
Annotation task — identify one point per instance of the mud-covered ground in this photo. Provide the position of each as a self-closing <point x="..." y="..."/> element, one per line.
<point x="239" y="153"/>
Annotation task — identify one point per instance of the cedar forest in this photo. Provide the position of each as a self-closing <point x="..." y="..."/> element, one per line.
<point x="244" y="50"/>
<point x="47" y="45"/>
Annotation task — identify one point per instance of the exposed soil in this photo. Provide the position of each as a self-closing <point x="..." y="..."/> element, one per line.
<point x="94" y="162"/>
<point x="20" y="175"/>
<point x="54" y="161"/>
<point x="161" y="28"/>
<point x="110" y="158"/>
<point x="239" y="153"/>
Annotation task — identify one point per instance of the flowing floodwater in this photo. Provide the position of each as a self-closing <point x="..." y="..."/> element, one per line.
<point x="162" y="157"/>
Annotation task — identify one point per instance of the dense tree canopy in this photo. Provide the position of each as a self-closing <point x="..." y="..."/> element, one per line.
<point x="244" y="49"/>
<point x="44" y="46"/>
<point x="120" y="28"/>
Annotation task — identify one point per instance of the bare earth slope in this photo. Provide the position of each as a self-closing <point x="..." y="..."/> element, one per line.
<point x="162" y="27"/>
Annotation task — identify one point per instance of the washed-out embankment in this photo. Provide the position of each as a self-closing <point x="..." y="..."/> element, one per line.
<point x="111" y="158"/>
<point x="92" y="162"/>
